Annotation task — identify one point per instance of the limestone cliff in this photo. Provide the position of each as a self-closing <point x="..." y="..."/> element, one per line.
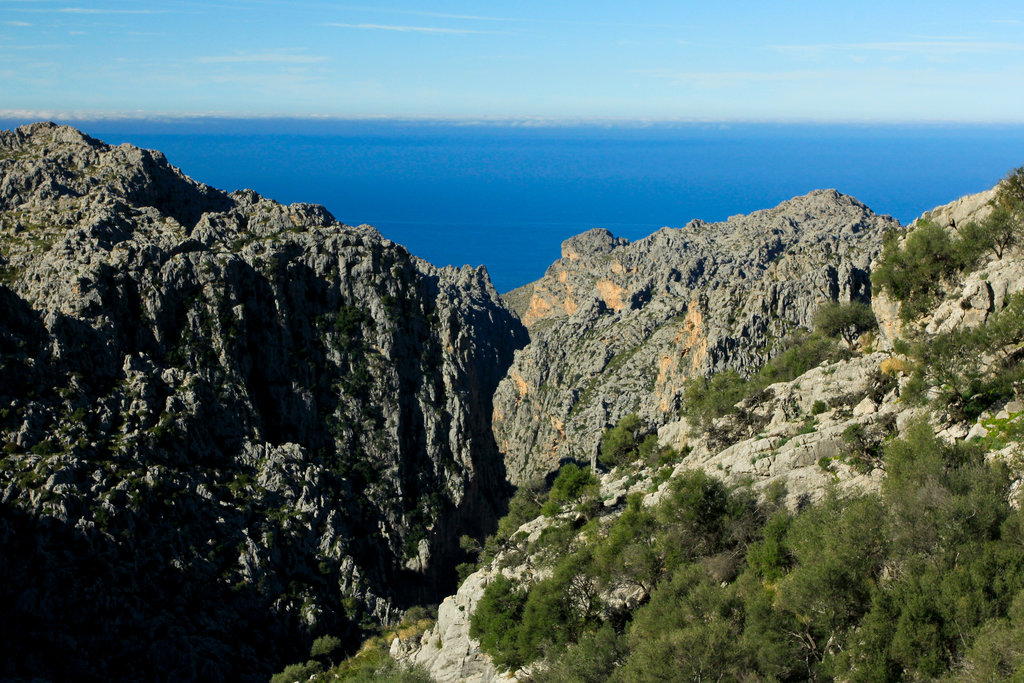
<point x="617" y="328"/>
<point x="228" y="425"/>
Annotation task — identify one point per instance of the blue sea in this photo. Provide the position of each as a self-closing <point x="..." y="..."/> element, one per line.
<point x="507" y="194"/>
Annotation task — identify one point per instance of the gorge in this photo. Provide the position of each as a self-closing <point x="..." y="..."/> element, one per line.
<point x="231" y="427"/>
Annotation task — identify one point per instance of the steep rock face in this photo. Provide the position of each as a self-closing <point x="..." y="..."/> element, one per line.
<point x="228" y="425"/>
<point x="617" y="327"/>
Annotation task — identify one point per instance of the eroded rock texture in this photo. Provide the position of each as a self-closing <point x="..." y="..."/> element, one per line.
<point x="617" y="328"/>
<point x="228" y="426"/>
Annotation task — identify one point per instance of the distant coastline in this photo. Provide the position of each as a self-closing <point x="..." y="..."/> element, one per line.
<point x="506" y="193"/>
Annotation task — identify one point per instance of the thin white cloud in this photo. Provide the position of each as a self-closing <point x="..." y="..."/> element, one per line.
<point x="90" y="10"/>
<point x="28" y="48"/>
<point x="423" y="13"/>
<point x="924" y="37"/>
<point x="463" y="17"/>
<point x="261" y="58"/>
<point x="719" y="79"/>
<point x="405" y="29"/>
<point x="910" y="46"/>
<point x="824" y="79"/>
<point x="467" y="17"/>
<point x="16" y="23"/>
<point x="520" y="20"/>
<point x="953" y="45"/>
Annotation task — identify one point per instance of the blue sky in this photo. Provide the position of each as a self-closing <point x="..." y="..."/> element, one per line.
<point x="790" y="61"/>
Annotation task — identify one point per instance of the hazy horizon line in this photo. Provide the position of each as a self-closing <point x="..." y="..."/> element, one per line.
<point x="38" y="115"/>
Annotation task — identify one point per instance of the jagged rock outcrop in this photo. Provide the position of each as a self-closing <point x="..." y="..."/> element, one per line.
<point x="228" y="425"/>
<point x="820" y="431"/>
<point x="617" y="328"/>
<point x="446" y="650"/>
<point x="976" y="299"/>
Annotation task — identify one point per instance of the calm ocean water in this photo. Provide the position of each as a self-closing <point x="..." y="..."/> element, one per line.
<point x="506" y="196"/>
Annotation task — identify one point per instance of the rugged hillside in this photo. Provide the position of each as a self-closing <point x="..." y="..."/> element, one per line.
<point x="228" y="425"/>
<point x="233" y="429"/>
<point x="860" y="521"/>
<point x="617" y="328"/>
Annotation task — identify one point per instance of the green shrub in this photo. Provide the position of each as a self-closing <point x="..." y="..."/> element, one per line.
<point x="997" y="232"/>
<point x="858" y="448"/>
<point x="688" y="632"/>
<point x="1002" y="228"/>
<point x="495" y="622"/>
<point x="296" y="673"/>
<point x="706" y="399"/>
<point x="572" y="483"/>
<point x="594" y="657"/>
<point x="373" y="665"/>
<point x="619" y="444"/>
<point x="629" y="441"/>
<point x="916" y="272"/>
<point x="846" y="320"/>
<point x="325" y="647"/>
<point x="390" y="671"/>
<point x="770" y="558"/>
<point x="559" y="609"/>
<point x="630" y="554"/>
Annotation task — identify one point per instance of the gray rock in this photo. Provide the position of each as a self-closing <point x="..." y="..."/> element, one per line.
<point x="618" y="327"/>
<point x="446" y="651"/>
<point x="289" y="415"/>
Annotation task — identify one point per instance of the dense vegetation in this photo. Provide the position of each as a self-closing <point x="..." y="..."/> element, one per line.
<point x="923" y="580"/>
<point x="916" y="271"/>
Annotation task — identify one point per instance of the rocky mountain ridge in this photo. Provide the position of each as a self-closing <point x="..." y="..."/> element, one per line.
<point x="241" y="418"/>
<point x="231" y="426"/>
<point x="618" y="328"/>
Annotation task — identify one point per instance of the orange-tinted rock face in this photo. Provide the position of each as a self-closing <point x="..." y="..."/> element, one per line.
<point x="552" y="297"/>
<point x="612" y="294"/>
<point x="619" y="327"/>
<point x="684" y="359"/>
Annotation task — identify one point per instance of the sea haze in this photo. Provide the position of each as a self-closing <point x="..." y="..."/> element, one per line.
<point x="507" y="194"/>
